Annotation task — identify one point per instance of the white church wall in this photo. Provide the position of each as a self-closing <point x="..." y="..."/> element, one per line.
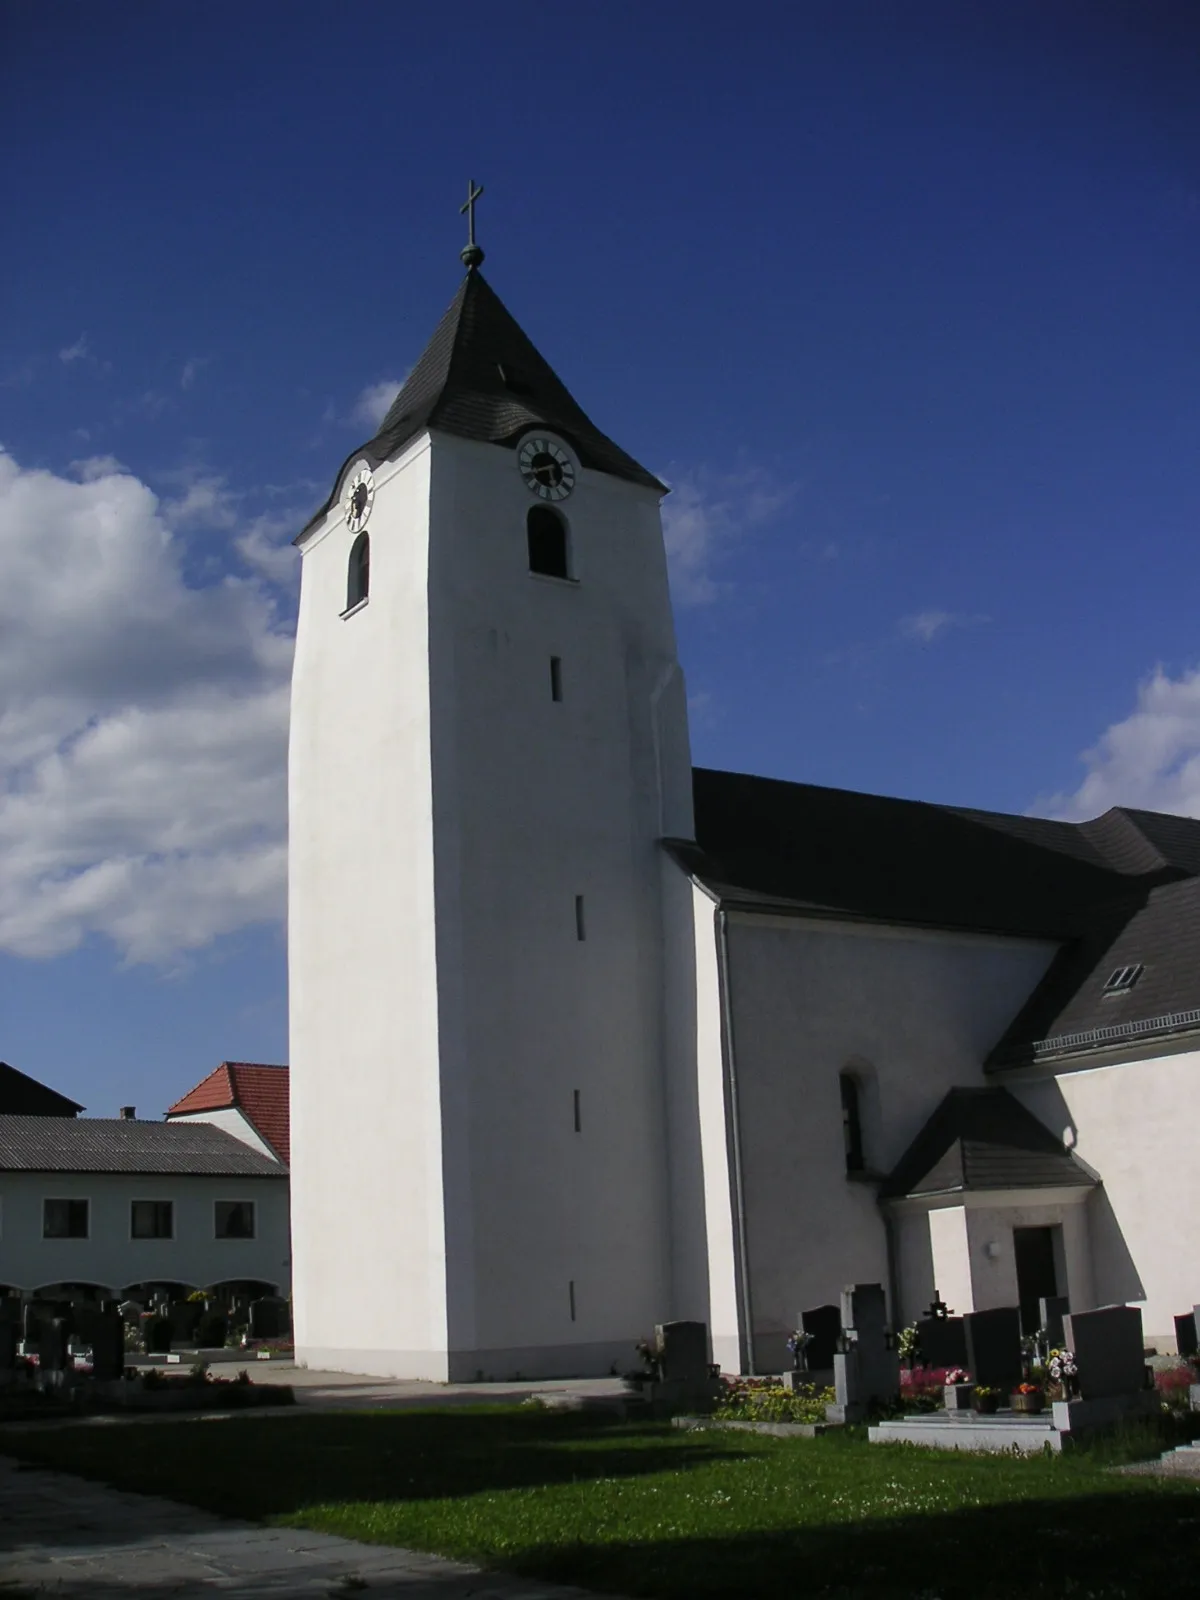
<point x="921" y="1009"/>
<point x="557" y="1239"/>
<point x="1134" y="1124"/>
<point x="366" y="1118"/>
<point x="950" y="1254"/>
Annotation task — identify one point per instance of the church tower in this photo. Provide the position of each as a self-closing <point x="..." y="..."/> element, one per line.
<point x="488" y="742"/>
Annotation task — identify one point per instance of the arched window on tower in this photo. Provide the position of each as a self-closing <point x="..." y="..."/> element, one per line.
<point x="547" y="535"/>
<point x="852" y="1138"/>
<point x="358" y="573"/>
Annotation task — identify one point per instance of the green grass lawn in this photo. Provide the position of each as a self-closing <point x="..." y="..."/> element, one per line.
<point x="646" y="1510"/>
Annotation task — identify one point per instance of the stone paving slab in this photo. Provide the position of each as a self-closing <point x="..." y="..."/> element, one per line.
<point x="67" y="1537"/>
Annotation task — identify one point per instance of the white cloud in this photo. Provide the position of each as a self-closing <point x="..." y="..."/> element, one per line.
<point x="926" y="626"/>
<point x="143" y="731"/>
<point x="1150" y="759"/>
<point x="90" y="468"/>
<point x="74" y="352"/>
<point x="190" y="371"/>
<point x="703" y="518"/>
<point x="375" y="401"/>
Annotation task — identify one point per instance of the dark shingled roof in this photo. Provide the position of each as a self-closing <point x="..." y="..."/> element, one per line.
<point x="98" y="1144"/>
<point x="981" y="1139"/>
<point x="480" y="377"/>
<point x="764" y="843"/>
<point x="21" y="1095"/>
<point x="1069" y="1011"/>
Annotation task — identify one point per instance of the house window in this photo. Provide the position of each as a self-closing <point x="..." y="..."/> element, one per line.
<point x="547" y="535"/>
<point x="580" y="924"/>
<point x="151" y="1219"/>
<point x="851" y="1123"/>
<point x="556" y="677"/>
<point x="234" y="1219"/>
<point x="358" y="573"/>
<point x="64" y="1219"/>
<point x="1123" y="979"/>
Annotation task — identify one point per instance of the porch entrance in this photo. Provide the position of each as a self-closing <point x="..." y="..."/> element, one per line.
<point x="1037" y="1251"/>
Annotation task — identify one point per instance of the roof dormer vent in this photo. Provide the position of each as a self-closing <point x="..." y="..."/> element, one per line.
<point x="1123" y="979"/>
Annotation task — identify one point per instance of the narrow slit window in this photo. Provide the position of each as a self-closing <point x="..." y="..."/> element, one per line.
<point x="571" y="1297"/>
<point x="578" y="1119"/>
<point x="580" y="927"/>
<point x="358" y="572"/>
<point x="851" y="1123"/>
<point x="556" y="677"/>
<point x="547" y="535"/>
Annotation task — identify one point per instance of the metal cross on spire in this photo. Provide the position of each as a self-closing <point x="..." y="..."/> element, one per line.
<point x="472" y="254"/>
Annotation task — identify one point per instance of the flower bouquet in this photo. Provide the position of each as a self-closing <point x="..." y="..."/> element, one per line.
<point x="1063" y="1374"/>
<point x="958" y="1389"/>
<point x="797" y="1344"/>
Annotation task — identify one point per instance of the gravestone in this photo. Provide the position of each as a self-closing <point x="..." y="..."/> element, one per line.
<point x="866" y="1370"/>
<point x="1186" y="1342"/>
<point x="8" y="1353"/>
<point x="825" y="1324"/>
<point x="942" y="1342"/>
<point x="994" y="1347"/>
<point x="684" y="1347"/>
<point x="269" y="1318"/>
<point x="183" y="1316"/>
<point x="1109" y="1351"/>
<point x="54" y="1360"/>
<point x="1051" y="1312"/>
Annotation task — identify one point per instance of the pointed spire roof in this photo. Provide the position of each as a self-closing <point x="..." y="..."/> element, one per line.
<point x="481" y="377"/>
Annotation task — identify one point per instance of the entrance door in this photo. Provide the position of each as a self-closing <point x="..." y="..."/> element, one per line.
<point x="1037" y="1277"/>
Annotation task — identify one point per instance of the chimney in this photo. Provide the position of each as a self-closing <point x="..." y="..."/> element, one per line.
<point x="128" y="1113"/>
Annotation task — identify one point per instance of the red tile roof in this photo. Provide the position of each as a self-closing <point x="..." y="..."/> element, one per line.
<point x="259" y="1092"/>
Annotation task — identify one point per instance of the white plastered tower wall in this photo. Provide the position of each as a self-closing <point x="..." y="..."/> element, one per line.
<point x="446" y="1018"/>
<point x="369" y="1252"/>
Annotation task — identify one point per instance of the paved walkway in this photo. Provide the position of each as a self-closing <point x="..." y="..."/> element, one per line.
<point x="66" y="1537"/>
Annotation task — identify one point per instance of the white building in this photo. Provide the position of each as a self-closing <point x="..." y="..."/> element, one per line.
<point x="582" y="1040"/>
<point x="96" y="1208"/>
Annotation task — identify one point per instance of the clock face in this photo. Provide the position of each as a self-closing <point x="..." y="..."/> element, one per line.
<point x="360" y="495"/>
<point x="546" y="467"/>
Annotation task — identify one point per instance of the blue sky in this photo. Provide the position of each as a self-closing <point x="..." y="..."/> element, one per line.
<point x="899" y="297"/>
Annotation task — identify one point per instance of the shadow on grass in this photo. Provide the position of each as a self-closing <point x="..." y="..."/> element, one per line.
<point x="1096" y="1547"/>
<point x="256" y="1468"/>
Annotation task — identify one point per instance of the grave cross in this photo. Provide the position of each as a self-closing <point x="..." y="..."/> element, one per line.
<point x="939" y="1310"/>
<point x="472" y="254"/>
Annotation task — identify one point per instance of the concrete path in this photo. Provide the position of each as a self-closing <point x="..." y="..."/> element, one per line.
<point x="66" y="1537"/>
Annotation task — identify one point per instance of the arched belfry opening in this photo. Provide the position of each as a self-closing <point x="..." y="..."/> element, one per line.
<point x="546" y="532"/>
<point x="358" y="572"/>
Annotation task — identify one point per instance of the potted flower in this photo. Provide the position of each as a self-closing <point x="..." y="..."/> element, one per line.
<point x="958" y="1389"/>
<point x="1028" y="1397"/>
<point x="986" y="1399"/>
<point x="908" y="1346"/>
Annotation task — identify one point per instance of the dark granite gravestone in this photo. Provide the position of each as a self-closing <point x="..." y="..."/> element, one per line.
<point x="1051" y="1312"/>
<point x="10" y="1309"/>
<point x="994" y="1347"/>
<point x="183" y="1316"/>
<point x="8" y="1353"/>
<point x="268" y="1318"/>
<point x="825" y="1324"/>
<point x="942" y="1342"/>
<point x="1186" y="1342"/>
<point x="866" y="1369"/>
<point x="684" y="1347"/>
<point x="54" y="1360"/>
<point x="1109" y="1351"/>
<point x="106" y="1336"/>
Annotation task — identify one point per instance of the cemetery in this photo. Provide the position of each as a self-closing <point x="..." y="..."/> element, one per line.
<point x="62" y="1356"/>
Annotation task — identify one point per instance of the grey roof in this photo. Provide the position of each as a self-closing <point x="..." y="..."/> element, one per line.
<point x="761" y="842"/>
<point x="21" y="1095"/>
<point x="983" y="1139"/>
<point x="480" y="377"/>
<point x="1069" y="1012"/>
<point x="100" y="1144"/>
